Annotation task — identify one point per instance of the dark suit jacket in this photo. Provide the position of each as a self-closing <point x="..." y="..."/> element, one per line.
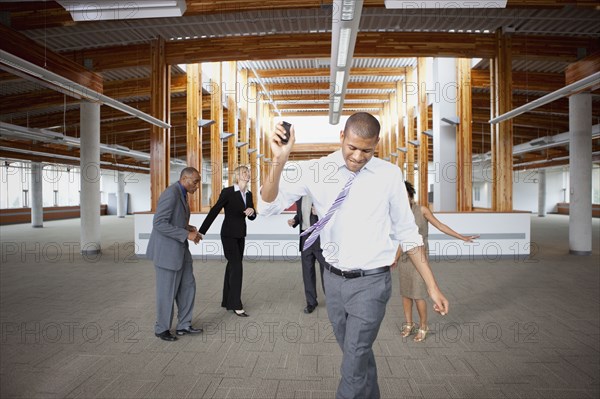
<point x="298" y="219"/>
<point x="168" y="244"/>
<point x="234" y="224"/>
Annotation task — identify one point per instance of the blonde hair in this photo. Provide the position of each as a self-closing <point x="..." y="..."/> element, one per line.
<point x="236" y="173"/>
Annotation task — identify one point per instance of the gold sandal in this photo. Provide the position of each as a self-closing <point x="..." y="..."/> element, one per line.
<point x="408" y="329"/>
<point x="421" y="335"/>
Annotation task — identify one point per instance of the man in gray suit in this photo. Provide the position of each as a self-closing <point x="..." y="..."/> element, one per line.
<point x="169" y="250"/>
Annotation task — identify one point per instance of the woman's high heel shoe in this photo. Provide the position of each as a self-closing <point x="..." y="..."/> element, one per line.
<point x="408" y="329"/>
<point x="421" y="335"/>
<point x="241" y="313"/>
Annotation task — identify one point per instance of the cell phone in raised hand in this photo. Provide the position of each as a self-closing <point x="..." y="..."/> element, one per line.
<point x="287" y="127"/>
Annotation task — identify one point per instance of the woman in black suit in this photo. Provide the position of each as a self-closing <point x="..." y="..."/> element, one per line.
<point x="237" y="202"/>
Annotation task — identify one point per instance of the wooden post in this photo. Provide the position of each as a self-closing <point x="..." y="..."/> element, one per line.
<point x="464" y="138"/>
<point x="421" y="127"/>
<point x="401" y="106"/>
<point x="160" y="105"/>
<point x="394" y="128"/>
<point x="243" y="128"/>
<point x="253" y="141"/>
<point x="216" y="145"/>
<point x="194" y="140"/>
<point x="232" y="119"/>
<point x="502" y="133"/>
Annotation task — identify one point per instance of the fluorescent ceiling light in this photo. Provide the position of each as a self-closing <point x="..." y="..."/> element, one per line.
<point x="47" y="136"/>
<point x="334" y="118"/>
<point x="416" y="143"/>
<point x="75" y="88"/>
<point x="240" y="144"/>
<point x="428" y="133"/>
<point x="393" y="154"/>
<point x="451" y="120"/>
<point x="205" y="122"/>
<point x="403" y="149"/>
<point x="347" y="10"/>
<point x="573" y="88"/>
<point x="344" y="42"/>
<point x="413" y="5"/>
<point x="336" y="103"/>
<point x="226" y="136"/>
<point x="339" y="82"/>
<point x="103" y="10"/>
<point x="120" y="147"/>
<point x="251" y="150"/>
<point x="538" y="141"/>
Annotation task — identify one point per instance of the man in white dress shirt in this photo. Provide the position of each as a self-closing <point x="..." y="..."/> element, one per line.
<point x="355" y="240"/>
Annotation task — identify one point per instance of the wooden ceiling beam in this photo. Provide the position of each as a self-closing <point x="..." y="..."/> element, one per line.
<point x="326" y="106"/>
<point x="324" y="86"/>
<point x="117" y="89"/>
<point x="314" y="72"/>
<point x="21" y="46"/>
<point x="541" y="122"/>
<point x="50" y="14"/>
<point x="318" y="45"/>
<point x="324" y="96"/>
<point x="534" y="81"/>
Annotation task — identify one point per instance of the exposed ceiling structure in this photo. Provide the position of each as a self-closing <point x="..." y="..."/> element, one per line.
<point x="287" y="46"/>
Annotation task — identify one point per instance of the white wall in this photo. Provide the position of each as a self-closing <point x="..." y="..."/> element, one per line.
<point x="136" y="184"/>
<point x="525" y="190"/>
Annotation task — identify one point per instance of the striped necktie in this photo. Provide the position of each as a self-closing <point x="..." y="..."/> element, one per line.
<point x="316" y="228"/>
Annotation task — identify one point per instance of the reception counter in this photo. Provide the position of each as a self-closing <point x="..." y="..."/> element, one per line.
<point x="270" y="238"/>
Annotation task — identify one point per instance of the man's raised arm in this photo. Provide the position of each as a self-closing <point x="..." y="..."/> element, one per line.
<point x="281" y="153"/>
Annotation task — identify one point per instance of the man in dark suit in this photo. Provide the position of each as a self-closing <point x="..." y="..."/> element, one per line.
<point x="306" y="217"/>
<point x="169" y="250"/>
<point x="238" y="205"/>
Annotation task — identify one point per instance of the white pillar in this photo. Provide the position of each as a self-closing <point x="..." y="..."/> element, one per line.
<point x="580" y="174"/>
<point x="444" y="135"/>
<point x="90" y="178"/>
<point x="37" y="197"/>
<point x="542" y="192"/>
<point x="121" y="205"/>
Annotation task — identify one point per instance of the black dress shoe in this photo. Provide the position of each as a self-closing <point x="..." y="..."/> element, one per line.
<point x="189" y="330"/>
<point x="166" y="336"/>
<point x="241" y="313"/>
<point x="309" y="308"/>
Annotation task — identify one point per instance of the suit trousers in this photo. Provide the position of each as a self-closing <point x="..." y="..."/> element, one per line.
<point x="175" y="286"/>
<point x="233" y="248"/>
<point x="356" y="308"/>
<point x="309" y="276"/>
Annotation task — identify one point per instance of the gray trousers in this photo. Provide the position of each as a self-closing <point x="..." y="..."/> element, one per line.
<point x="356" y="308"/>
<point x="175" y="286"/>
<point x="309" y="275"/>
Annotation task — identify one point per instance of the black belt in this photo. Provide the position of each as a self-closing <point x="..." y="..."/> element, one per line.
<point x="356" y="273"/>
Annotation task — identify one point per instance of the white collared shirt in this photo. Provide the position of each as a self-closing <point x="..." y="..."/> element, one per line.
<point x="377" y="207"/>
<point x="243" y="194"/>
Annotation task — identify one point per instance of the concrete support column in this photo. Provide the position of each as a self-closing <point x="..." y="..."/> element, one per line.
<point x="37" y="197"/>
<point x="542" y="192"/>
<point x="580" y="171"/>
<point x="121" y="204"/>
<point x="90" y="178"/>
<point x="444" y="135"/>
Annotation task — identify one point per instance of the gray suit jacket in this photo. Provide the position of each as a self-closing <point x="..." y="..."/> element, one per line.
<point x="168" y="243"/>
